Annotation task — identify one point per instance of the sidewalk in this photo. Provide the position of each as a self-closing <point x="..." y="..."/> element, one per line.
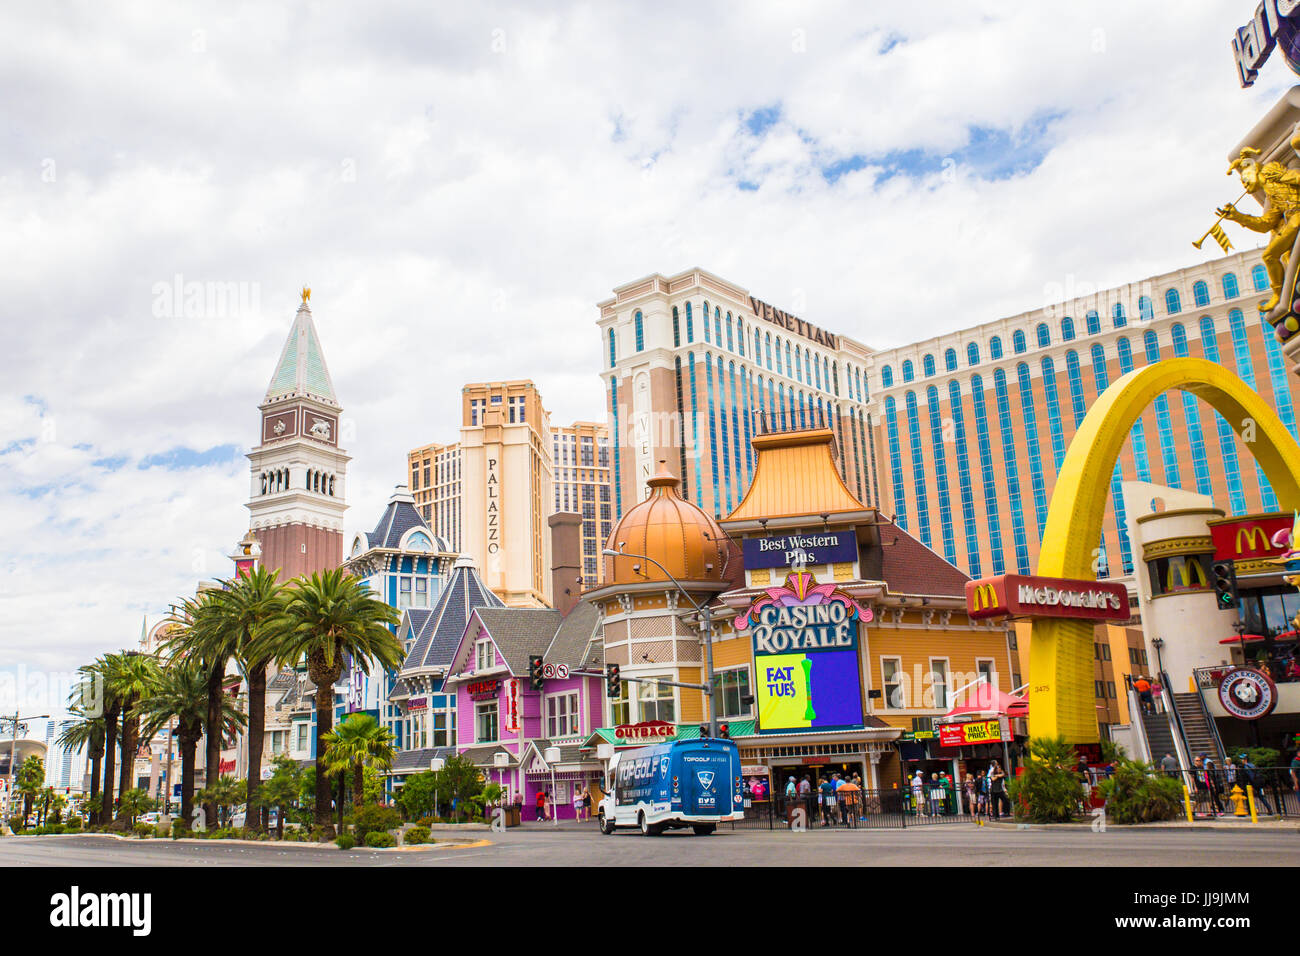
<point x="1220" y="824"/>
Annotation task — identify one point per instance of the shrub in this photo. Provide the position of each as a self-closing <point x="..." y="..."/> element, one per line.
<point x="374" y="818"/>
<point x="180" y="829"/>
<point x="416" y="836"/>
<point x="377" y="839"/>
<point x="1135" y="795"/>
<point x="17" y="824"/>
<point x="425" y="821"/>
<point x="74" y="824"/>
<point x="162" y="832"/>
<point x="319" y="835"/>
<point x="144" y="830"/>
<point x="345" y="842"/>
<point x="56" y="828"/>
<point x="1048" y="791"/>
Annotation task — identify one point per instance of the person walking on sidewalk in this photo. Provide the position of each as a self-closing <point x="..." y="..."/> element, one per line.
<point x="1207" y="785"/>
<point x="998" y="790"/>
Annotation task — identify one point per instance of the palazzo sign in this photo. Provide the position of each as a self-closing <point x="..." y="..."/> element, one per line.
<point x="493" y="507"/>
<point x="808" y="676"/>
<point x="1020" y="595"/>
<point x="783" y="551"/>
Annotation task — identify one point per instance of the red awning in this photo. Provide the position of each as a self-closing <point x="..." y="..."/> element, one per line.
<point x="984" y="699"/>
<point x="1246" y="638"/>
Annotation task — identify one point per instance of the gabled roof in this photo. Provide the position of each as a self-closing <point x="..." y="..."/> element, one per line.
<point x="908" y="567"/>
<point x="519" y="632"/>
<point x="794" y="476"/>
<point x="437" y="630"/>
<point x="399" y="517"/>
<point x="301" y="371"/>
<point x="574" y="636"/>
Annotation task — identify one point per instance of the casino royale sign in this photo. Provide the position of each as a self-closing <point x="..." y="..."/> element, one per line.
<point x="814" y="627"/>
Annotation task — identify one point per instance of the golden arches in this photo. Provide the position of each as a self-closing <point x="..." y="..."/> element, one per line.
<point x="1061" y="699"/>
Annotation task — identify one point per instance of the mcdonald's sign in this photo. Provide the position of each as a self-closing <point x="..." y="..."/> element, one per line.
<point x="1020" y="595"/>
<point x="1249" y="538"/>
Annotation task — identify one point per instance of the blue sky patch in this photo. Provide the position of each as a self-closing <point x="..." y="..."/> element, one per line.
<point x="180" y="457"/>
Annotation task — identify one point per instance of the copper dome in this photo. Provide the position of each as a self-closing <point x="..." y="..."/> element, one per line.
<point x="666" y="527"/>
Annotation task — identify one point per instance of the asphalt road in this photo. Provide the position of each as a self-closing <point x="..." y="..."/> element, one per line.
<point x="950" y="845"/>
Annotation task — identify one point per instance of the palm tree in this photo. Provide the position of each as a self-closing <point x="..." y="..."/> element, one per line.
<point x="181" y="694"/>
<point x="135" y="677"/>
<point x="244" y="607"/>
<point x="359" y="741"/>
<point x="323" y="619"/>
<point x="200" y="636"/>
<point x="86" y="731"/>
<point x="105" y="670"/>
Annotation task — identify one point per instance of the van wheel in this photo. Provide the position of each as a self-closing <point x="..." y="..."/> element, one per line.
<point x="704" y="829"/>
<point x="606" y="827"/>
<point x="646" y="829"/>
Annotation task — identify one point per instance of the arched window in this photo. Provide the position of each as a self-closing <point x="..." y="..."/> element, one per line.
<point x="927" y="365"/>
<point x="731" y="342"/>
<point x="1067" y="329"/>
<point x="1230" y="285"/>
<point x="1093" y="322"/>
<point x="640" y="332"/>
<point x="1173" y="302"/>
<point x="706" y="322"/>
<point x="767" y="343"/>
<point x="798" y="363"/>
<point x="950" y="360"/>
<point x="690" y="325"/>
<point x="887" y="377"/>
<point x="789" y="362"/>
<point x="1200" y="293"/>
<point x="740" y="335"/>
<point x="1259" y="275"/>
<point x="908" y="374"/>
<point x="995" y="348"/>
<point x="972" y="353"/>
<point x="1117" y="317"/>
<point x="1151" y="345"/>
<point x="677" y="328"/>
<point x="1044" y="335"/>
<point x="1018" y="341"/>
<point x="612" y="355"/>
<point x="1144" y="308"/>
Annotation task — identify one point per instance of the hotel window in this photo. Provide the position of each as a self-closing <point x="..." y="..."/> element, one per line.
<point x="1093" y="321"/>
<point x="1144" y="308"/>
<point x="972" y="354"/>
<point x="1118" y="319"/>
<point x="1173" y="302"/>
<point x="927" y="365"/>
<point x="732" y="686"/>
<point x="562" y="715"/>
<point x="483" y="656"/>
<point x="690" y="325"/>
<point x="1067" y="329"/>
<point x="486" y="727"/>
<point x="939" y="682"/>
<point x="908" y="373"/>
<point x="475" y="410"/>
<point x="640" y="332"/>
<point x="1018" y="341"/>
<point x="677" y="328"/>
<point x="612" y="356"/>
<point x="894" y="682"/>
<point x="655" y="702"/>
<point x="620" y="707"/>
<point x="1259" y="275"/>
<point x="886" y="377"/>
<point x="1044" y="335"/>
<point x="995" y="348"/>
<point x="1200" y="293"/>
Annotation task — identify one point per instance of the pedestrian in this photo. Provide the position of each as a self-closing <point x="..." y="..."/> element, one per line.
<point x="586" y="803"/>
<point x="836" y="783"/>
<point x="936" y="795"/>
<point x="1254" y="780"/>
<point x="1169" y="765"/>
<point x="805" y="786"/>
<point x="1207" y="786"/>
<point x="826" y="796"/>
<point x="918" y="786"/>
<point x="1295" y="772"/>
<point x="972" y="798"/>
<point x="1143" y="687"/>
<point x="998" y="790"/>
<point x="791" y="789"/>
<point x="577" y="801"/>
<point x="1230" y="776"/>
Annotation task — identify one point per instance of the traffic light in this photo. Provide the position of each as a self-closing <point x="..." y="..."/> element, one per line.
<point x="1225" y="584"/>
<point x="535" y="671"/>
<point x="724" y="732"/>
<point x="612" y="680"/>
<point x="704" y="730"/>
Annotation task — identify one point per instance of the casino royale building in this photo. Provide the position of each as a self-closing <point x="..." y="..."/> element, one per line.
<point x="838" y="639"/>
<point x="960" y="437"/>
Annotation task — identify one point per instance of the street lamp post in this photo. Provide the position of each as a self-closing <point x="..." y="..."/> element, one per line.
<point x="436" y="764"/>
<point x="552" y="757"/>
<point x="706" y="623"/>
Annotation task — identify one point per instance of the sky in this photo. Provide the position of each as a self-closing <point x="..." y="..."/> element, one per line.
<point x="460" y="184"/>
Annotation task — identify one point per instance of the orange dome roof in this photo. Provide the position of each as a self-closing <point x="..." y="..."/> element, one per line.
<point x="666" y="527"/>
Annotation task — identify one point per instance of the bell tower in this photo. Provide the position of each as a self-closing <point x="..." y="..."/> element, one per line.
<point x="299" y="473"/>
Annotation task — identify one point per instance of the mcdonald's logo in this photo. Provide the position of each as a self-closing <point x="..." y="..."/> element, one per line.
<point x="982" y="599"/>
<point x="1249" y="538"/>
<point x="1253" y="537"/>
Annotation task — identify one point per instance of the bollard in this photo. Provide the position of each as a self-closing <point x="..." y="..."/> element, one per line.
<point x="1238" y="801"/>
<point x="1187" y="802"/>
<point x="1250" y="796"/>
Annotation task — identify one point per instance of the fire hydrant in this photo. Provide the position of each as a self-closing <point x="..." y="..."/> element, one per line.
<point x="1239" y="802"/>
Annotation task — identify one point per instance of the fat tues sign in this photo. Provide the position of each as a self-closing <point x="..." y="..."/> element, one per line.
<point x="807" y="674"/>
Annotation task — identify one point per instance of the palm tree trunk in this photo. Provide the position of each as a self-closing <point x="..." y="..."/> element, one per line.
<point x="256" y="816"/>
<point x="214" y="728"/>
<point x="189" y="755"/>
<point x="358" y="785"/>
<point x="110" y="754"/>
<point x="130" y="730"/>
<point x="324" y="724"/>
<point x="95" y="759"/>
<point x="343" y="796"/>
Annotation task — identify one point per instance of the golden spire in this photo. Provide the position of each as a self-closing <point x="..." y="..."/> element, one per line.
<point x="306" y="294"/>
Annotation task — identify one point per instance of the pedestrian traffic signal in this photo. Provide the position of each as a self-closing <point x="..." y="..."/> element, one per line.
<point x="535" y="671"/>
<point x="612" y="680"/>
<point x="1225" y="584"/>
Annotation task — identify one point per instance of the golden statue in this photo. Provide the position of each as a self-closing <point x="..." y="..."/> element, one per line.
<point x="1281" y="216"/>
<point x="306" y="293"/>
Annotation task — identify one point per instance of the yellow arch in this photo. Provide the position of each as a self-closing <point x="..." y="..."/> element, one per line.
<point x="1061" y="699"/>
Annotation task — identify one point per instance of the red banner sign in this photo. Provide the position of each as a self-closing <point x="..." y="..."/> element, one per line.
<point x="972" y="732"/>
<point x="651" y="731"/>
<point x="1020" y="595"/>
<point x="1249" y="538"/>
<point x="483" y="688"/>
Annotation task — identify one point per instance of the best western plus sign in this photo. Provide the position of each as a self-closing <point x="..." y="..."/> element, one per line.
<point x="1019" y="595"/>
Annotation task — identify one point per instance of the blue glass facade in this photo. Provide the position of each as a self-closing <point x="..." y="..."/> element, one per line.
<point x="940" y="473"/>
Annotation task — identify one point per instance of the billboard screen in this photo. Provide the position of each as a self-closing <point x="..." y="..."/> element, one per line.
<point x="806" y="665"/>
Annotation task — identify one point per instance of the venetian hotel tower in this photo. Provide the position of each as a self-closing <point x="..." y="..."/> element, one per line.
<point x="299" y="473"/>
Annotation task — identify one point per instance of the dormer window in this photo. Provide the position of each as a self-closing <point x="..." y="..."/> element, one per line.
<point x="483" y="656"/>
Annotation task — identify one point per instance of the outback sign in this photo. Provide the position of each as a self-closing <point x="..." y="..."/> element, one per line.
<point x="1020" y="595"/>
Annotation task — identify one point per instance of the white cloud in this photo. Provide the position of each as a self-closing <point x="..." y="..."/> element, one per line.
<point x="460" y="185"/>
